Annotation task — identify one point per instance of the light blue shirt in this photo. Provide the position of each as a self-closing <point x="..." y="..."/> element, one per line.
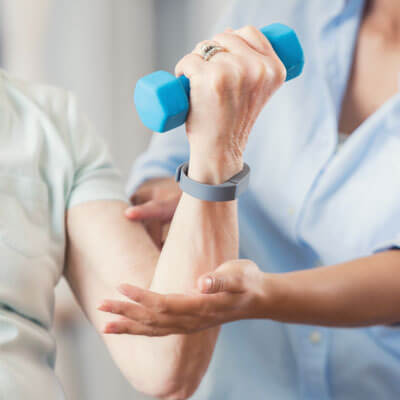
<point x="50" y="160"/>
<point x="308" y="205"/>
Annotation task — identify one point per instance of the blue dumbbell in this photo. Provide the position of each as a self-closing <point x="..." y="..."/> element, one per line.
<point x="162" y="100"/>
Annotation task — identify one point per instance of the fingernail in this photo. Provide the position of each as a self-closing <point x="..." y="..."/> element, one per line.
<point x="129" y="210"/>
<point x="207" y="284"/>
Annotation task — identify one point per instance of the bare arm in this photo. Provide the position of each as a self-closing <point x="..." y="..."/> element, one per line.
<point x="361" y="292"/>
<point x="105" y="249"/>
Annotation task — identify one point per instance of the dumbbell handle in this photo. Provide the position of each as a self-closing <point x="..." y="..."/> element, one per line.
<point x="162" y="100"/>
<point x="287" y="50"/>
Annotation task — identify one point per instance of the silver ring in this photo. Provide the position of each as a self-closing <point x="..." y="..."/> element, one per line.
<point x="209" y="50"/>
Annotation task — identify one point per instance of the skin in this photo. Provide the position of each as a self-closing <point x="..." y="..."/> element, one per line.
<point x="157" y="201"/>
<point x="105" y="249"/>
<point x="361" y="292"/>
<point x="379" y="40"/>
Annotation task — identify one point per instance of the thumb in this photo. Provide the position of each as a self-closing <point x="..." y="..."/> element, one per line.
<point x="220" y="281"/>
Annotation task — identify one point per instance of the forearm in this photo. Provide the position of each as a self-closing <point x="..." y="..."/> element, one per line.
<point x="362" y="292"/>
<point x="106" y="250"/>
<point x="202" y="236"/>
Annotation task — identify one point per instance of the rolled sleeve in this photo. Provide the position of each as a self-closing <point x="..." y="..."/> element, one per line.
<point x="95" y="177"/>
<point x="393" y="244"/>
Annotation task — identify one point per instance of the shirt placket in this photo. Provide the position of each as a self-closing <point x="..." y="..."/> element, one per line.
<point x="313" y="342"/>
<point x="313" y="374"/>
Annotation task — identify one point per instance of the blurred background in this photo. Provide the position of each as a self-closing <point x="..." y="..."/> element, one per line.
<point x="98" y="49"/>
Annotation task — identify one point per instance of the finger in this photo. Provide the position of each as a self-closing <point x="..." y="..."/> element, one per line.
<point x="153" y="209"/>
<point x="153" y="228"/>
<point x="234" y="44"/>
<point x="128" y="310"/>
<point x="177" y="304"/>
<point x="146" y="316"/>
<point x="146" y="298"/>
<point x="190" y="65"/>
<point x="141" y="196"/>
<point x="256" y="40"/>
<point x="136" y="328"/>
<point x="220" y="281"/>
<point x="164" y="232"/>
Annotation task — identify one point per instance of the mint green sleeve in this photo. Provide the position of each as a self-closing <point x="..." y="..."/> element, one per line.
<point x="95" y="177"/>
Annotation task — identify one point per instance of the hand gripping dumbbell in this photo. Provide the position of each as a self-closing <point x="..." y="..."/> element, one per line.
<point x="162" y="100"/>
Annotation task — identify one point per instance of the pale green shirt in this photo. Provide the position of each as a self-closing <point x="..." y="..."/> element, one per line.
<point x="50" y="160"/>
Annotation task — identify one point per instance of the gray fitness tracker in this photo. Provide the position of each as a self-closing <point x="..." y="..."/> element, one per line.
<point x="227" y="191"/>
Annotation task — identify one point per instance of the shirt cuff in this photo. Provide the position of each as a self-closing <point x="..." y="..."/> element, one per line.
<point x="388" y="245"/>
<point x="97" y="189"/>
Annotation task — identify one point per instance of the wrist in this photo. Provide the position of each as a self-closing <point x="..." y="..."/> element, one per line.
<point x="213" y="167"/>
<point x="271" y="295"/>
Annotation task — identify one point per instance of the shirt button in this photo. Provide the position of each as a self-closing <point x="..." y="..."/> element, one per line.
<point x="315" y="337"/>
<point x="291" y="211"/>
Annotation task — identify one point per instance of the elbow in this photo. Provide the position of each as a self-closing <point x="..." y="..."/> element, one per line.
<point x="166" y="393"/>
<point x="180" y="394"/>
<point x="177" y="392"/>
<point x="179" y="388"/>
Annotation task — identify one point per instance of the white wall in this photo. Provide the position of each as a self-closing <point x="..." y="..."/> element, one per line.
<point x="182" y="24"/>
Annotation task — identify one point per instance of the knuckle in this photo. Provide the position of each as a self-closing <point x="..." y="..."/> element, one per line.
<point x="250" y="29"/>
<point x="276" y="73"/>
<point x="268" y="75"/>
<point x="281" y="73"/>
<point x="149" y="320"/>
<point x="218" y="78"/>
<point x="219" y="37"/>
<point x="120" y="308"/>
<point x="182" y="62"/>
<point x="152" y="331"/>
<point x="179" y="64"/>
<point x="240" y="68"/>
<point x="135" y="296"/>
<point x="239" y="280"/>
<point x="261" y="71"/>
<point x="115" y="308"/>
<point x="160" y="306"/>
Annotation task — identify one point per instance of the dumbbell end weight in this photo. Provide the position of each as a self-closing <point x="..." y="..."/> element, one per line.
<point x="287" y="46"/>
<point x="162" y="100"/>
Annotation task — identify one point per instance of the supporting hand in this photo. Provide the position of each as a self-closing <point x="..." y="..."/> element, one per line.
<point x="154" y="204"/>
<point x="236" y="290"/>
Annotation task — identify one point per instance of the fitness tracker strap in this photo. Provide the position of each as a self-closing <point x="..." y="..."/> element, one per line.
<point x="227" y="191"/>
